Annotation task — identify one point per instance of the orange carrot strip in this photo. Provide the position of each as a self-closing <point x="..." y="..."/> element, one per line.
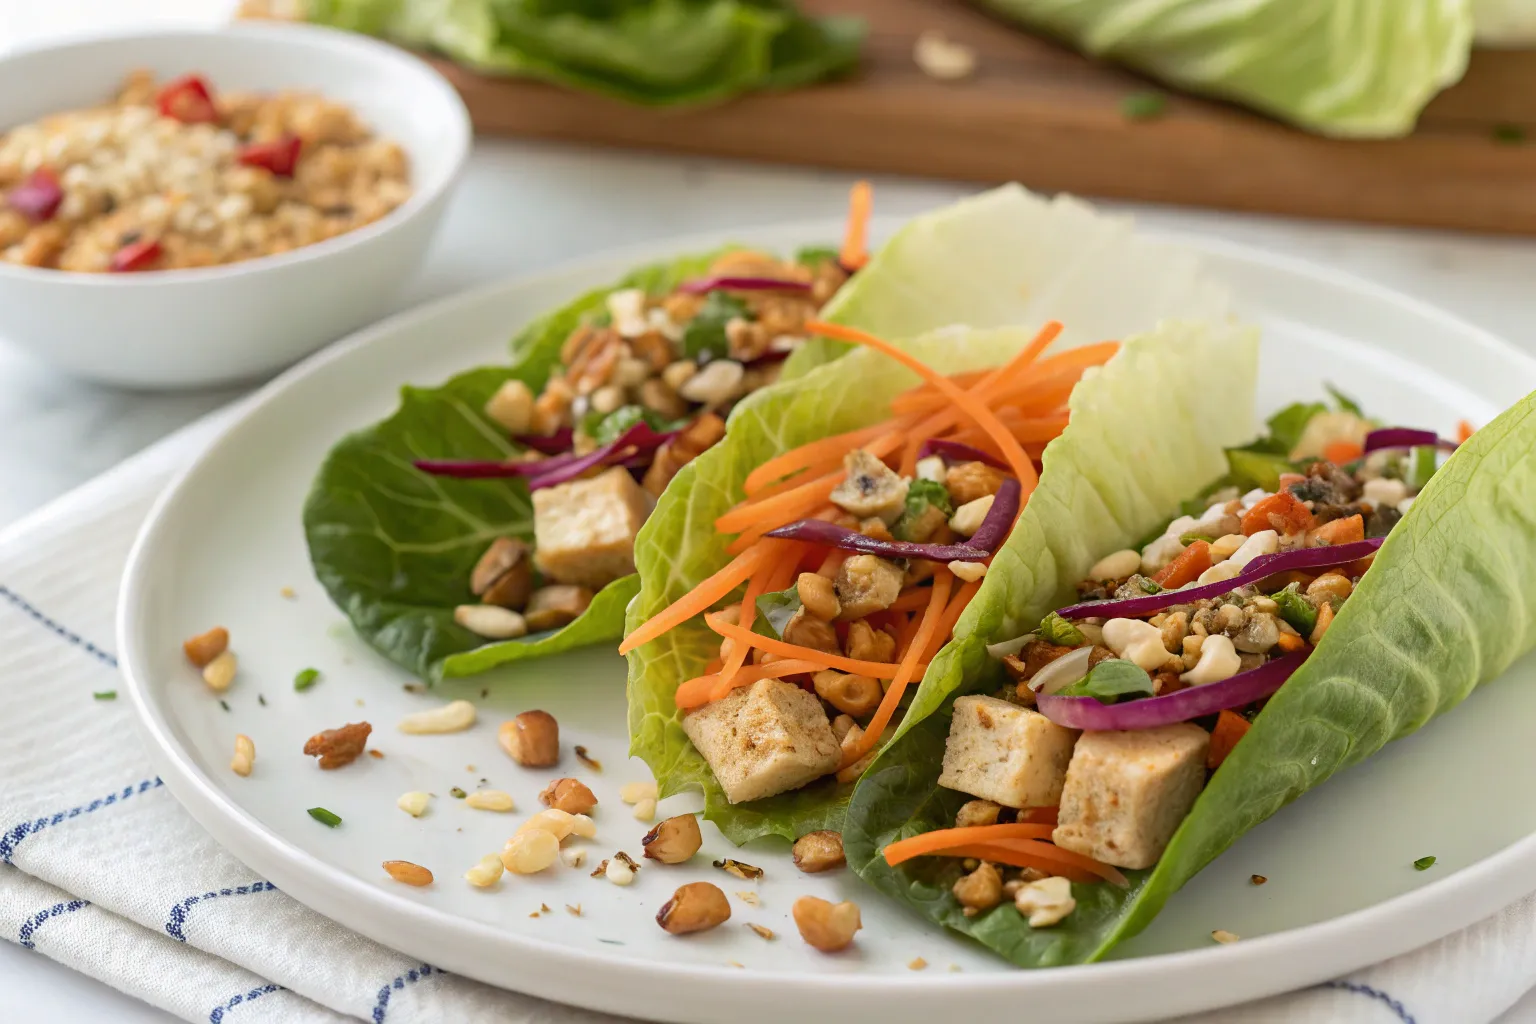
<point x="786" y="507"/>
<point x="752" y="673"/>
<point x="1464" y="431"/>
<point x="952" y="613"/>
<point x="906" y="670"/>
<point x="1039" y="815"/>
<point x="700" y="599"/>
<point x="1186" y="568"/>
<point x="973" y="409"/>
<point x="940" y="839"/>
<point x="1340" y="531"/>
<point x="1342" y="451"/>
<point x="855" y="252"/>
<point x="1065" y="858"/>
<point x="880" y="670"/>
<point x="776" y="578"/>
<point x="907" y="633"/>
<point x="796" y="459"/>
<point x="910" y="600"/>
<point x="1021" y="855"/>
<point x="832" y="563"/>
<point x="1230" y="727"/>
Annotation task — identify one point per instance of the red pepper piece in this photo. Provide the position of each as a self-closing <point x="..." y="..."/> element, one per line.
<point x="188" y="100"/>
<point x="136" y="256"/>
<point x="38" y="197"/>
<point x="280" y="156"/>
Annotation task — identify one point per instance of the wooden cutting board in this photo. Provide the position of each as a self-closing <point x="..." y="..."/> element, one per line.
<point x="1043" y="115"/>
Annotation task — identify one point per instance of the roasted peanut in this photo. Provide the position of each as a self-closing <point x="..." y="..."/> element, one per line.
<point x="204" y="647"/>
<point x="337" y="748"/>
<point x="851" y="694"/>
<point x="695" y="907"/>
<point x="980" y="890"/>
<point x="407" y="873"/>
<point x="977" y="812"/>
<point x="1331" y="587"/>
<point x="971" y="480"/>
<point x="674" y="840"/>
<point x="819" y="851"/>
<point x="532" y="739"/>
<point x="865" y="643"/>
<point x="569" y="795"/>
<point x="826" y="926"/>
<point x="818" y="596"/>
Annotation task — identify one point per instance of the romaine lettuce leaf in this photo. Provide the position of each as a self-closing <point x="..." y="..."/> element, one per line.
<point x="1340" y="67"/>
<point x="394" y="547"/>
<point x="1119" y="469"/>
<point x="653" y="52"/>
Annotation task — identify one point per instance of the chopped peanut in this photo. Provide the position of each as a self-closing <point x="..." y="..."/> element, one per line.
<point x="532" y="739"/>
<point x="695" y="907"/>
<point x="819" y="851"/>
<point x="220" y="672"/>
<point x="826" y="926"/>
<point x="337" y="748"/>
<point x="569" y="795"/>
<point x="245" y="756"/>
<point x="407" y="873"/>
<point x="674" y="840"/>
<point x="204" y="647"/>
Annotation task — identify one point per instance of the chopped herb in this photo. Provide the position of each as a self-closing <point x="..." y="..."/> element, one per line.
<point x="777" y="609"/>
<point x="921" y="496"/>
<point x="324" y="817"/>
<point x="414" y="688"/>
<point x="814" y="255"/>
<point x="1257" y="879"/>
<point x="305" y="679"/>
<point x="611" y="942"/>
<point x="1056" y="630"/>
<point x="1343" y="401"/>
<point x="104" y="695"/>
<point x="1250" y="469"/>
<point x="609" y="428"/>
<point x="1148" y="585"/>
<point x="1143" y="106"/>
<point x="587" y="759"/>
<point x="1423" y="863"/>
<point x="224" y="704"/>
<point x="1287" y="426"/>
<point x="457" y="793"/>
<point x="1508" y="134"/>
<point x="1110" y="680"/>
<point x="705" y="333"/>
<point x="261" y="700"/>
<point x="1296" y="610"/>
<point x="1189" y="538"/>
<point x="1420" y="466"/>
<point x="485" y="692"/>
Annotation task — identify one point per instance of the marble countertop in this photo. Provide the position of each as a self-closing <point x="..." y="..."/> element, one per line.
<point x="525" y="206"/>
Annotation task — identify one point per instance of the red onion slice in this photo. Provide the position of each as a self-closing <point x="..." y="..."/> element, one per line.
<point x="999" y="519"/>
<point x="1179" y="706"/>
<point x="638" y="439"/>
<point x="558" y="443"/>
<point x="1405" y="437"/>
<point x="704" y="285"/>
<point x="819" y="531"/>
<point x="1260" y="567"/>
<point x="954" y="451"/>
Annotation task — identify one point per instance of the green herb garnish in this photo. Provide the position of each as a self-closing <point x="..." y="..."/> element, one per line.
<point x="104" y="695"/>
<point x="457" y="793"/>
<point x="814" y="255"/>
<point x="1343" y="401"/>
<point x="608" y="429"/>
<point x="261" y="700"/>
<point x="1189" y="538"/>
<point x="1508" y="134"/>
<point x="1419" y="466"/>
<point x="705" y="333"/>
<point x="1143" y="106"/>
<point x="224" y="704"/>
<point x="1250" y="469"/>
<point x="1147" y="586"/>
<point x="777" y="609"/>
<point x="1423" y="863"/>
<point x="1110" y="680"/>
<point x="1295" y="609"/>
<point x="305" y="679"/>
<point x="324" y="817"/>
<point x="921" y="496"/>
<point x="1056" y="630"/>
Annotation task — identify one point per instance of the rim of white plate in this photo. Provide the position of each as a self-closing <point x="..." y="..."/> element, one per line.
<point x="1263" y="966"/>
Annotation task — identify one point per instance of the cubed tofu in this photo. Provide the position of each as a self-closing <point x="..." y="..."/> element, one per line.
<point x="1005" y="753"/>
<point x="1127" y="792"/>
<point x="584" y="531"/>
<point x="764" y="739"/>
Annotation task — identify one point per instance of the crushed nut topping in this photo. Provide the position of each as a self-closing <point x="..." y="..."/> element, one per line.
<point x="746" y="872"/>
<point x="337" y="748"/>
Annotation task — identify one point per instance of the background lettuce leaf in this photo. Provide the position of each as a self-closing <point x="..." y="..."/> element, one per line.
<point x="394" y="547"/>
<point x="1145" y="431"/>
<point x="1340" y="67"/>
<point x="653" y="52"/>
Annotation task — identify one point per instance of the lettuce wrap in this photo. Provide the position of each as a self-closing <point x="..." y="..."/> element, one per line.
<point x="995" y="259"/>
<point x="394" y="548"/>
<point x="1419" y="632"/>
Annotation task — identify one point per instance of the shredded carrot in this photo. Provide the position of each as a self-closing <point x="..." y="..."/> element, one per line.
<point x="1339" y="452"/>
<point x="1230" y="727"/>
<point x="906" y="670"/>
<point x="1340" y="531"/>
<point x="832" y="563"/>
<point x="715" y="685"/>
<point x="906" y="633"/>
<point x="1039" y="815"/>
<point x="942" y="839"/>
<point x="855" y="251"/>
<point x="1464" y="431"/>
<point x="1051" y="859"/>
<point x="796" y="459"/>
<point x="700" y="599"/>
<point x="761" y="583"/>
<point x="952" y="613"/>
<point x="1187" y="567"/>
<point x="878" y="669"/>
<point x="910" y="600"/>
<point x="973" y="409"/>
<point x="782" y="508"/>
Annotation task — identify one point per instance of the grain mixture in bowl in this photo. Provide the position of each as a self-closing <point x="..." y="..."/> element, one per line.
<point x="173" y="175"/>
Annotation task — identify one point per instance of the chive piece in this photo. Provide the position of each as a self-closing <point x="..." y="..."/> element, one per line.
<point x="1423" y="863"/>
<point x="1508" y="134"/>
<point x="1143" y="106"/>
<point x="324" y="817"/>
<point x="224" y="704"/>
<point x="457" y="793"/>
<point x="104" y="695"/>
<point x="261" y="700"/>
<point x="305" y="679"/>
<point x="1189" y="538"/>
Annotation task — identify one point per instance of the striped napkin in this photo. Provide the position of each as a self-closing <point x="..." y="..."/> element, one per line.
<point x="101" y="870"/>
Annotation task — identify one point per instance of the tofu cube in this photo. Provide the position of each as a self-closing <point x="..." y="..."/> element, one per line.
<point x="1005" y="753"/>
<point x="1127" y="792"/>
<point x="584" y="531"/>
<point x="764" y="739"/>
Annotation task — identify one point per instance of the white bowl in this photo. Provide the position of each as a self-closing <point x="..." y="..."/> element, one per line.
<point x="183" y="328"/>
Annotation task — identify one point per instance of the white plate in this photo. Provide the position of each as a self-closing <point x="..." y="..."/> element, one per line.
<point x="221" y="544"/>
